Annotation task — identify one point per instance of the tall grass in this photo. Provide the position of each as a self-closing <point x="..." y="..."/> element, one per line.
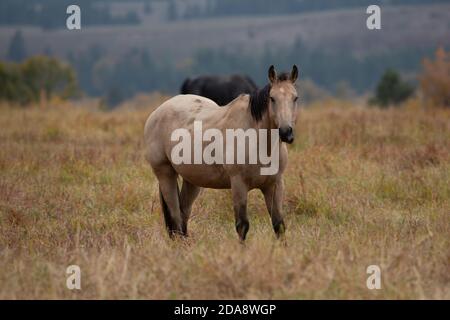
<point x="363" y="186"/>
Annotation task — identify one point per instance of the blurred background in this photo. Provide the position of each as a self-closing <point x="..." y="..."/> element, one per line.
<point x="133" y="47"/>
<point x="368" y="180"/>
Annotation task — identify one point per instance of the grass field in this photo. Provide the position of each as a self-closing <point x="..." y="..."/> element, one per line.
<point x="363" y="186"/>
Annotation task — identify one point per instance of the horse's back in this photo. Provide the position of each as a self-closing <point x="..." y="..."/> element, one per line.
<point x="182" y="106"/>
<point x="192" y="102"/>
<point x="178" y="112"/>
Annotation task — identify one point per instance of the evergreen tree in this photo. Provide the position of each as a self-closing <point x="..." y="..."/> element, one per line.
<point x="147" y="7"/>
<point x="16" y="50"/>
<point x="391" y="90"/>
<point x="172" y="11"/>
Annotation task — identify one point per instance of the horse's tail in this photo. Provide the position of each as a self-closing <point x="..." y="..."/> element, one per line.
<point x="170" y="225"/>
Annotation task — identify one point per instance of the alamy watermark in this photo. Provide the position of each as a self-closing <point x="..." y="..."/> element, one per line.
<point x="373" y="22"/>
<point x="73" y="22"/>
<point x="374" y="280"/>
<point x="73" y="281"/>
<point x="235" y="144"/>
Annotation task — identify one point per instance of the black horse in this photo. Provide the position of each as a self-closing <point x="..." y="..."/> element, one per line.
<point x="220" y="89"/>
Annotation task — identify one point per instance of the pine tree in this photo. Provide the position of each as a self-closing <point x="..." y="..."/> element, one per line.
<point x="391" y="90"/>
<point x="172" y="11"/>
<point x="16" y="50"/>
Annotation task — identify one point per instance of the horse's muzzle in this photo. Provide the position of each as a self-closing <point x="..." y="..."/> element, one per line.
<point x="287" y="134"/>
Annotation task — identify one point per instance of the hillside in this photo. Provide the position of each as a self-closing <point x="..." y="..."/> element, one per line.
<point x="403" y="27"/>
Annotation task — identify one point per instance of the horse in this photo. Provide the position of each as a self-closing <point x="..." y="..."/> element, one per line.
<point x="220" y="89"/>
<point x="273" y="108"/>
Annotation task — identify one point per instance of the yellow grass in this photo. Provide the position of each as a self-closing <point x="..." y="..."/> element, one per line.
<point x="364" y="186"/>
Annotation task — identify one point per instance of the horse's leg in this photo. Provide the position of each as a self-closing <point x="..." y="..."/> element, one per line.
<point x="189" y="193"/>
<point x="273" y="195"/>
<point x="239" y="190"/>
<point x="169" y="196"/>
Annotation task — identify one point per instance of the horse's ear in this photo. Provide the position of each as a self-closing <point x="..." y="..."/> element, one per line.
<point x="185" y="86"/>
<point x="294" y="73"/>
<point x="272" y="74"/>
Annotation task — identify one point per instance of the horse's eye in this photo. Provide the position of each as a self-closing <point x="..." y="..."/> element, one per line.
<point x="272" y="99"/>
<point x="295" y="99"/>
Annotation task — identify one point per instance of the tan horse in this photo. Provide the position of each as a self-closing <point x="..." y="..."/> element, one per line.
<point x="273" y="107"/>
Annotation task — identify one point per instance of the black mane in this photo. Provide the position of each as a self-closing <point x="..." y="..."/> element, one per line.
<point x="259" y="101"/>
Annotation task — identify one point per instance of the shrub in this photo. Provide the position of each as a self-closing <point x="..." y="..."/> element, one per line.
<point x="12" y="87"/>
<point x="391" y="90"/>
<point x="435" y="79"/>
<point x="38" y="78"/>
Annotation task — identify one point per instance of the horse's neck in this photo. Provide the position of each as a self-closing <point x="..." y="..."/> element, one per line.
<point x="238" y="115"/>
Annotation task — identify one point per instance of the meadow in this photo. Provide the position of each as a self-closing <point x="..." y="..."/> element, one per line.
<point x="364" y="186"/>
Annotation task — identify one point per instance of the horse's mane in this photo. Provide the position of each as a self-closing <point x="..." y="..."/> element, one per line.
<point x="259" y="101"/>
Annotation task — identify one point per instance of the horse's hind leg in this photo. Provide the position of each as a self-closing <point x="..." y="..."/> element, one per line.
<point x="239" y="190"/>
<point x="169" y="196"/>
<point x="189" y="193"/>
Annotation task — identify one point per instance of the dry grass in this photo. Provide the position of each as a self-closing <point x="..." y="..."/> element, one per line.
<point x="364" y="186"/>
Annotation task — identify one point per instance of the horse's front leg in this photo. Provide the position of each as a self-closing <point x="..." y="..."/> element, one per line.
<point x="273" y="195"/>
<point x="239" y="190"/>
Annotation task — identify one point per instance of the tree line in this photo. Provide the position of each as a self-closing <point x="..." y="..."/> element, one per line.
<point x="216" y="8"/>
<point x="138" y="71"/>
<point x="50" y="14"/>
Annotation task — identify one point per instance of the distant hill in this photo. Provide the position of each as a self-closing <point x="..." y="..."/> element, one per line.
<point x="402" y="27"/>
<point x="329" y="45"/>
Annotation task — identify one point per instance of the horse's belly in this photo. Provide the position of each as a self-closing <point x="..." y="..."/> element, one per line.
<point x="205" y="176"/>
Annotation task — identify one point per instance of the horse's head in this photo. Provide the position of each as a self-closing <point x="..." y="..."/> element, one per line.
<point x="283" y="102"/>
